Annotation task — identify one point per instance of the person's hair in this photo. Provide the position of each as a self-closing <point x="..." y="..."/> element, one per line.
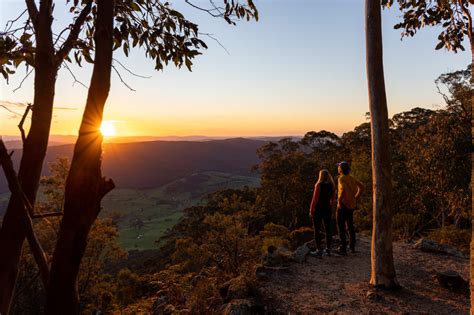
<point x="345" y="168"/>
<point x="325" y="178"/>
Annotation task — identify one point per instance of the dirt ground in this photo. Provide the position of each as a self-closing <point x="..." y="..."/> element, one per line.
<point x="339" y="285"/>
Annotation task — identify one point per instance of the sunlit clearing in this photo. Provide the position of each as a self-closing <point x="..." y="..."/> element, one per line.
<point x="107" y="129"/>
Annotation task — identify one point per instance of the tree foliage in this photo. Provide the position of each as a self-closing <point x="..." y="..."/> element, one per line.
<point x="162" y="33"/>
<point x="454" y="17"/>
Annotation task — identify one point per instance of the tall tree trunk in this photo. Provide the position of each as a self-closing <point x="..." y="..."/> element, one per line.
<point x="12" y="233"/>
<point x="85" y="185"/>
<point x="467" y="13"/>
<point x="471" y="41"/>
<point x="383" y="270"/>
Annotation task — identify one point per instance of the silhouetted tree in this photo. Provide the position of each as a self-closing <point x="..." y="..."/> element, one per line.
<point x="95" y="284"/>
<point x="85" y="185"/>
<point x="35" y="45"/>
<point x="46" y="60"/>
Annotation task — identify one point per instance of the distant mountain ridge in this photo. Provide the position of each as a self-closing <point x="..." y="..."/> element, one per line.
<point x="14" y="142"/>
<point x="150" y="164"/>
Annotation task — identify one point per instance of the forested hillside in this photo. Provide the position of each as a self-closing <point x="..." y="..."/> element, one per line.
<point x="152" y="164"/>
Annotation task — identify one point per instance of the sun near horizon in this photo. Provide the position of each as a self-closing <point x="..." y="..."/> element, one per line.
<point x="107" y="129"/>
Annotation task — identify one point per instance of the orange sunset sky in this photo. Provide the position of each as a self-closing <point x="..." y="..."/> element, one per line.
<point x="300" y="68"/>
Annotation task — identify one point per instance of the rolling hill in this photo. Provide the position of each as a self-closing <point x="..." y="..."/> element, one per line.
<point x="156" y="180"/>
<point x="143" y="165"/>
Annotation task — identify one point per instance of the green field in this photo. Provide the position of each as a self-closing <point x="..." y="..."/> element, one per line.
<point x="144" y="215"/>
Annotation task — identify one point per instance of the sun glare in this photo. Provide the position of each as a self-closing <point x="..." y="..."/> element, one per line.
<point x="107" y="129"/>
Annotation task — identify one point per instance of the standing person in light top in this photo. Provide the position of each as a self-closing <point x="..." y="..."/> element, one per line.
<point x="349" y="191"/>
<point x="321" y="208"/>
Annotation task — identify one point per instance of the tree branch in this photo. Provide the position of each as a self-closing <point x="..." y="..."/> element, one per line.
<point x="73" y="76"/>
<point x="211" y="36"/>
<point x="121" y="79"/>
<point x="130" y="71"/>
<point x="22" y="121"/>
<point x="9" y="110"/>
<point x="10" y="23"/>
<point x="106" y="186"/>
<point x="32" y="11"/>
<point x="73" y="35"/>
<point x="22" y="81"/>
<point x="15" y="188"/>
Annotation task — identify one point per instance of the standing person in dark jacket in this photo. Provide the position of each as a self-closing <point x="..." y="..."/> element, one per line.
<point x="349" y="191"/>
<point x="321" y="209"/>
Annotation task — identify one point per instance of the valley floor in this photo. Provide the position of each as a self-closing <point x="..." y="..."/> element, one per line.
<point x="339" y="285"/>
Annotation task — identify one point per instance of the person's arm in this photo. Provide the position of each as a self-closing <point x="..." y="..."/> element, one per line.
<point x="360" y="189"/>
<point x="342" y="193"/>
<point x="314" y="201"/>
<point x="341" y="198"/>
<point x="334" y="195"/>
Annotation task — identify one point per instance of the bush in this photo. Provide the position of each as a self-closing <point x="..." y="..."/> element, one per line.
<point x="274" y="235"/>
<point x="404" y="225"/>
<point x="300" y="236"/>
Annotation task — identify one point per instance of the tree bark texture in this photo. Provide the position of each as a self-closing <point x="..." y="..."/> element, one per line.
<point x="383" y="270"/>
<point x="471" y="40"/>
<point x="85" y="185"/>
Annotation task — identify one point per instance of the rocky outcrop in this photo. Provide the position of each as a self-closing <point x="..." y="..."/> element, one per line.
<point x="299" y="255"/>
<point x="452" y="281"/>
<point x="431" y="246"/>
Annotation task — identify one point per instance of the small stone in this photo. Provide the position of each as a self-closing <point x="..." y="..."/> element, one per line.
<point x="452" y="281"/>
<point x="373" y="296"/>
<point x="301" y="252"/>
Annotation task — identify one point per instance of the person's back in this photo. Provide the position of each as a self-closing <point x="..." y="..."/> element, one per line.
<point x="325" y="196"/>
<point x="348" y="188"/>
<point x="349" y="191"/>
<point x="321" y="208"/>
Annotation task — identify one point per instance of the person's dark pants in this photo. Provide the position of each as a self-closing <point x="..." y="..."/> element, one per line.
<point x="345" y="217"/>
<point x="322" y="216"/>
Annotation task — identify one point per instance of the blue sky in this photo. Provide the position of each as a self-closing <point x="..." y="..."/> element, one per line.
<point x="300" y="68"/>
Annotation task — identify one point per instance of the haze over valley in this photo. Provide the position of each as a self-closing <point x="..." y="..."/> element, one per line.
<point x="156" y="180"/>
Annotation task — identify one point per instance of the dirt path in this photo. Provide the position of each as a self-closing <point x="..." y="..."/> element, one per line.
<point x="339" y="285"/>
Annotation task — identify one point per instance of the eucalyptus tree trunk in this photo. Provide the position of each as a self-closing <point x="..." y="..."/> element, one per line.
<point x="471" y="40"/>
<point x="85" y="185"/>
<point x="383" y="270"/>
<point x="12" y="233"/>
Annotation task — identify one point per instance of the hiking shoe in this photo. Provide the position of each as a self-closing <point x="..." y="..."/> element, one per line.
<point x="317" y="253"/>
<point x="327" y="252"/>
<point x="353" y="251"/>
<point x="341" y="252"/>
